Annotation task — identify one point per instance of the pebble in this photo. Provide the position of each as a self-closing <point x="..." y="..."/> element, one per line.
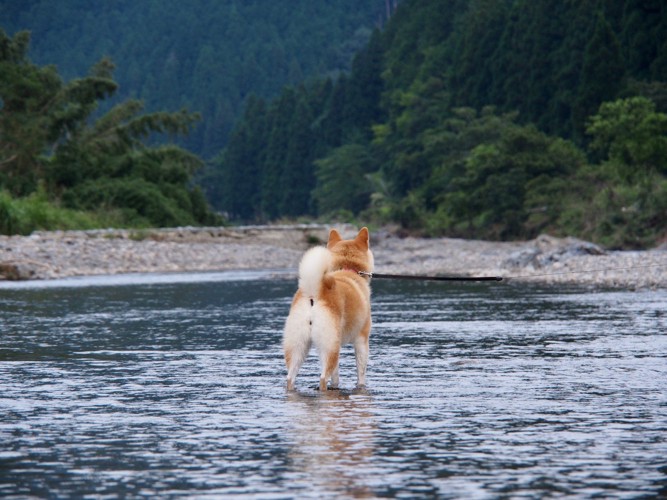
<point x="59" y="254"/>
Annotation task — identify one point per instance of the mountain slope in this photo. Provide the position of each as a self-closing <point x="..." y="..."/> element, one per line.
<point x="206" y="55"/>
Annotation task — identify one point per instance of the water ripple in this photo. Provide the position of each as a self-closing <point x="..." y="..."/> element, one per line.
<point x="176" y="388"/>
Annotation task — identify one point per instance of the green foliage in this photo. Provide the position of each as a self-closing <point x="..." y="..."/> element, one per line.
<point x="620" y="202"/>
<point x="631" y="138"/>
<point x="486" y="118"/>
<point x="49" y="137"/>
<point x="35" y="212"/>
<point x="268" y="169"/>
<point x="30" y="105"/>
<point x="489" y="177"/>
<point x="143" y="202"/>
<point x="341" y="180"/>
<point x="598" y="208"/>
<point x="602" y="72"/>
<point x="473" y="118"/>
<point x="204" y="55"/>
<point x="234" y="179"/>
<point x="468" y="118"/>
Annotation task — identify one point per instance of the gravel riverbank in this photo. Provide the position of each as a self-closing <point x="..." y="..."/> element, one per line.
<point x="58" y="254"/>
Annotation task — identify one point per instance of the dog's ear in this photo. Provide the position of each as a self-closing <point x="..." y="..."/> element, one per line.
<point x="362" y="238"/>
<point x="334" y="237"/>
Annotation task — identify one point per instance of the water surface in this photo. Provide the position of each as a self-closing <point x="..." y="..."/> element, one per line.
<point x="173" y="385"/>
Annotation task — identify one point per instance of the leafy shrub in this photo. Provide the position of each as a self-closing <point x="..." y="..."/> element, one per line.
<point x="36" y="212"/>
<point x="142" y="201"/>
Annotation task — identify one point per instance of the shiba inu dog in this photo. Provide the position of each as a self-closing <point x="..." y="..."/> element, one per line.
<point x="332" y="307"/>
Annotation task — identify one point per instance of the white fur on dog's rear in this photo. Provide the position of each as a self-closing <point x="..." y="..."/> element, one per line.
<point x="306" y="314"/>
<point x="314" y="265"/>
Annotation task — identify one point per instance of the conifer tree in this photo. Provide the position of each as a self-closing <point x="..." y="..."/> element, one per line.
<point x="49" y="136"/>
<point x="601" y="75"/>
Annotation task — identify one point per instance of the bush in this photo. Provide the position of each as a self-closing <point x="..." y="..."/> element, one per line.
<point x="35" y="212"/>
<point x="142" y="202"/>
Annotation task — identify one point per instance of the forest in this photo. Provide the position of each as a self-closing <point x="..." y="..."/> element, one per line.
<point x="99" y="149"/>
<point x="207" y="56"/>
<point x="62" y="167"/>
<point x="498" y="119"/>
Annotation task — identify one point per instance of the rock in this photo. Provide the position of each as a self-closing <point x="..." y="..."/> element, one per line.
<point x="23" y="270"/>
<point x="522" y="258"/>
<point x="546" y="250"/>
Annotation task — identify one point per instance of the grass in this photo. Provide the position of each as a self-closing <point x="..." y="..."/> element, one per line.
<point x="22" y="216"/>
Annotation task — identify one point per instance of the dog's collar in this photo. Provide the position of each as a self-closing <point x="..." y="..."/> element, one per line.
<point x="356" y="271"/>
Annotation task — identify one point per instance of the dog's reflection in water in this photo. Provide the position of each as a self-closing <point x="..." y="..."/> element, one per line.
<point x="333" y="442"/>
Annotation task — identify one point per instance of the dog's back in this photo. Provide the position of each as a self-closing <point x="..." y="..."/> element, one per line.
<point x="331" y="307"/>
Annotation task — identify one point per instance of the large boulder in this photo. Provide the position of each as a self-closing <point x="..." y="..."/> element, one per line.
<point x="546" y="250"/>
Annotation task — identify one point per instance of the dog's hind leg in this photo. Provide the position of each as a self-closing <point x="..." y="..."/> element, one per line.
<point x="294" y="358"/>
<point x="296" y="341"/>
<point x="327" y="341"/>
<point x="329" y="368"/>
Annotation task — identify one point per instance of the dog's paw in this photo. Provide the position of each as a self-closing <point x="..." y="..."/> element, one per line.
<point x="361" y="389"/>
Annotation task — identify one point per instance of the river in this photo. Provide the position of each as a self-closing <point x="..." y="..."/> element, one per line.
<point x="173" y="385"/>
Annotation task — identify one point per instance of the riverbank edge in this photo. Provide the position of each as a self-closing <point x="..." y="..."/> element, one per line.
<point x="59" y="254"/>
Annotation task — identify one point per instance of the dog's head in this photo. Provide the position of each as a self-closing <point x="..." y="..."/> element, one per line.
<point x="354" y="254"/>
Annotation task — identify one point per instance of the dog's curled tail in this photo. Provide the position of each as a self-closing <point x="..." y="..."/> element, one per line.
<point x="314" y="266"/>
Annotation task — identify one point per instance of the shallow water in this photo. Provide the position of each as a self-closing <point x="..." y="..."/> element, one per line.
<point x="172" y="385"/>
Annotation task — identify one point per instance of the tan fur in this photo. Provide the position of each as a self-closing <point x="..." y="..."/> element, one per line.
<point x="339" y="313"/>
